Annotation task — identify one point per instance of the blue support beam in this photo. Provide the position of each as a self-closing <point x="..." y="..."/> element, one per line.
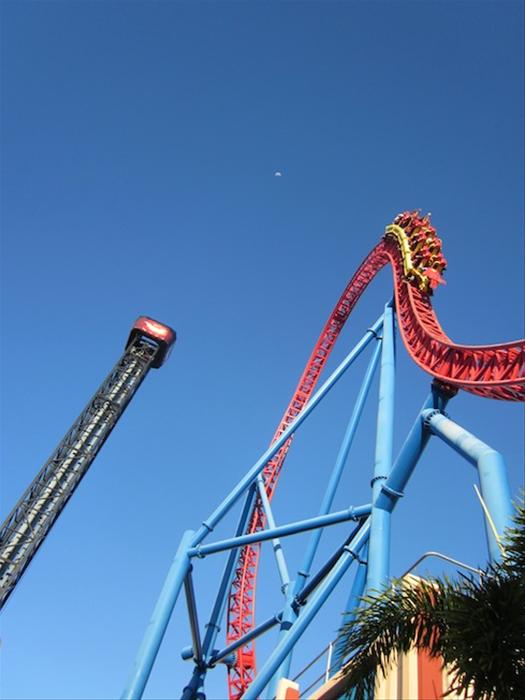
<point x="212" y="628"/>
<point x="492" y="473"/>
<point x="341" y="516"/>
<point x="379" y="544"/>
<point x="353" y="603"/>
<point x="218" y="656"/>
<point x="307" y="590"/>
<point x="195" y="688"/>
<point x="193" y="618"/>
<point x="276" y="542"/>
<point x="412" y="449"/>
<point x="288" y="618"/>
<point x="339" y="465"/>
<point x="279" y="557"/>
<point x="159" y="620"/>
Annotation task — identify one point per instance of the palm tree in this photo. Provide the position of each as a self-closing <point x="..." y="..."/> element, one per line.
<point x="476" y="627"/>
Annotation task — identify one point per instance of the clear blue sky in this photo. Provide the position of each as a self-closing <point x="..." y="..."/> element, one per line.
<point x="139" y="145"/>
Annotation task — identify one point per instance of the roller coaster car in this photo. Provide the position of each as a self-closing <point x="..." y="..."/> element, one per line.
<point x="163" y="336"/>
<point x="423" y="260"/>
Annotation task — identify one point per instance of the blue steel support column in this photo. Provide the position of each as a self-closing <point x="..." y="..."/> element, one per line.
<point x="276" y="542"/>
<point x="309" y="611"/>
<point x="354" y="600"/>
<point x="195" y="686"/>
<point x="492" y="473"/>
<point x="288" y="618"/>
<point x="413" y="447"/>
<point x="212" y="628"/>
<point x="196" y="683"/>
<point x="379" y="543"/>
<point x="253" y="634"/>
<point x="159" y="621"/>
<point x="194" y="689"/>
<point x="193" y="618"/>
<point x="337" y="471"/>
<point x="286" y="585"/>
<point x="333" y="483"/>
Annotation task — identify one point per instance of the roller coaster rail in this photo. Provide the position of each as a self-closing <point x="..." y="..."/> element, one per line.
<point x="412" y="248"/>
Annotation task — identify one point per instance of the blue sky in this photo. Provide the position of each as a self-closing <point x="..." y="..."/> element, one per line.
<point x="139" y="145"/>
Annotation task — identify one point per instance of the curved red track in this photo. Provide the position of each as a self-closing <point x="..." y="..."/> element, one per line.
<point x="493" y="371"/>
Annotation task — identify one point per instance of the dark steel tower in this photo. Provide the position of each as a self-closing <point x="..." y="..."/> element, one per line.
<point x="27" y="525"/>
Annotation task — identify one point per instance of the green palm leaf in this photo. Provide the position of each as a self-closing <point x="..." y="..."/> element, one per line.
<point x="477" y="627"/>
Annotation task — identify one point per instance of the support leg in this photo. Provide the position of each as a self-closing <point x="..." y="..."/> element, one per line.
<point x="354" y="600"/>
<point x="194" y="690"/>
<point x="289" y="617"/>
<point x="492" y="473"/>
<point x="212" y="628"/>
<point x="276" y="542"/>
<point x="379" y="545"/>
<point x="159" y="621"/>
<point x="412" y="449"/>
<point x="339" y="465"/>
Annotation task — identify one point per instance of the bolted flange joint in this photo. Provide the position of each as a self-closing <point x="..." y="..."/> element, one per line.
<point x="374" y="333"/>
<point x="429" y="414"/>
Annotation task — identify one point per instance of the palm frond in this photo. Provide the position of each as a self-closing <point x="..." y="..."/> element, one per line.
<point x="390" y="624"/>
<point x="484" y="638"/>
<point x="514" y="561"/>
<point x="477" y="627"/>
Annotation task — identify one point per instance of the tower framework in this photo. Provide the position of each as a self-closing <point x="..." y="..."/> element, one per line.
<point x="28" y="524"/>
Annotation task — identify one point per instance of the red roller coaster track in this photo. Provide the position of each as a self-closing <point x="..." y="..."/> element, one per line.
<point x="493" y="371"/>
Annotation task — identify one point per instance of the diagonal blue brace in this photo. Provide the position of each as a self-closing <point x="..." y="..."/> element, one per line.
<point x="354" y="600"/>
<point x="212" y="628"/>
<point x="492" y="473"/>
<point x="333" y="483"/>
<point x="339" y="465"/>
<point x="159" y="621"/>
<point x="276" y="542"/>
<point x="415" y="443"/>
<point x="219" y="655"/>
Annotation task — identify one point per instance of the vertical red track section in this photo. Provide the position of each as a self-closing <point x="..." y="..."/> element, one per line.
<point x="494" y="371"/>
